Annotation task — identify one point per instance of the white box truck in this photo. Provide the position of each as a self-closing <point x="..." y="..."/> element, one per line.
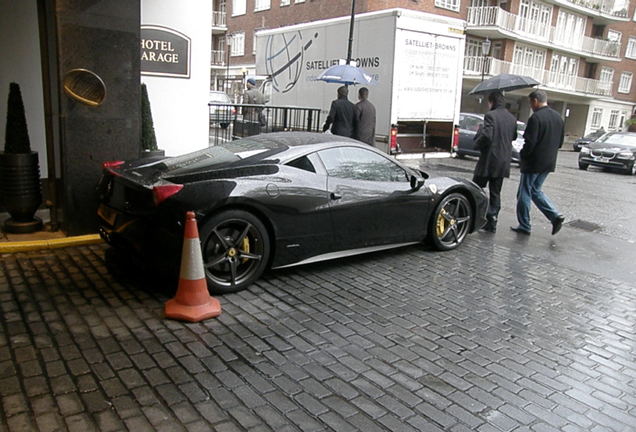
<point x="415" y="59"/>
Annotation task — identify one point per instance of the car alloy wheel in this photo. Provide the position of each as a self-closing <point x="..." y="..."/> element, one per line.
<point x="451" y="222"/>
<point x="235" y="250"/>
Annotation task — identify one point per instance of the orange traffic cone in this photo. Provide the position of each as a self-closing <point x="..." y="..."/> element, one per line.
<point x="192" y="302"/>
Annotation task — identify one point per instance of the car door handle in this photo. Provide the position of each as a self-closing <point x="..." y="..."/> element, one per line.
<point x="335" y="195"/>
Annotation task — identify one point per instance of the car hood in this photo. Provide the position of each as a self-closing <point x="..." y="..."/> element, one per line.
<point x="612" y="147"/>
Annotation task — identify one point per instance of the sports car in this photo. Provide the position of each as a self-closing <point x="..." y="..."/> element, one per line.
<point x="277" y="200"/>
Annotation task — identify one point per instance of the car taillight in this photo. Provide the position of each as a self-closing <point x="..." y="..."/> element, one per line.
<point x="393" y="141"/>
<point x="455" y="138"/>
<point x="112" y="164"/>
<point x="163" y="192"/>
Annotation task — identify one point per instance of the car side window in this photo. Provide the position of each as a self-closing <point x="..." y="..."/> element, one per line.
<point x="302" y="163"/>
<point x="472" y="124"/>
<point x="360" y="164"/>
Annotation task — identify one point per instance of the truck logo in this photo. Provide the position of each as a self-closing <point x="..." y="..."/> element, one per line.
<point x="284" y="58"/>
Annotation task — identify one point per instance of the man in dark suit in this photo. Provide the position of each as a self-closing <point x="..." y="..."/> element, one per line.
<point x="365" y="118"/>
<point x="494" y="141"/>
<point x="341" y="116"/>
<point x="543" y="139"/>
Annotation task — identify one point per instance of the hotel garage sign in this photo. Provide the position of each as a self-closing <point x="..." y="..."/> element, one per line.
<point x="164" y="52"/>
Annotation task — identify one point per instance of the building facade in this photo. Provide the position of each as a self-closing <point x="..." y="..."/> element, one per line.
<point x="583" y="52"/>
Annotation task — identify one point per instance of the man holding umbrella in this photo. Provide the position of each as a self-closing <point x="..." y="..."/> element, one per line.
<point x="494" y="141"/>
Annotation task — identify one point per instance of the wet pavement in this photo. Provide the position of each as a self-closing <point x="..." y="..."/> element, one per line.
<point x="504" y="334"/>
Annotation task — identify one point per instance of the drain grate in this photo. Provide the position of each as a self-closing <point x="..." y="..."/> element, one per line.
<point x="584" y="225"/>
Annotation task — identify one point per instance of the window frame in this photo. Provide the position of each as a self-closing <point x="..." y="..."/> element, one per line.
<point x="234" y="9"/>
<point x="234" y="46"/>
<point x="595" y="111"/>
<point x="448" y="5"/>
<point x="628" y="88"/>
<point x="262" y="5"/>
<point x="630" y="49"/>
<point x="613" y="119"/>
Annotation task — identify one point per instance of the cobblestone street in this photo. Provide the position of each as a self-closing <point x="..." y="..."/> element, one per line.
<point x="503" y="334"/>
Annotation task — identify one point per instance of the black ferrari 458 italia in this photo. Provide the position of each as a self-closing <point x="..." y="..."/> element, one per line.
<point x="278" y="200"/>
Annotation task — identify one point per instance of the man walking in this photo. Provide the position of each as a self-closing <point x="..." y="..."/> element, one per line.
<point x="494" y="141"/>
<point x="365" y="112"/>
<point x="543" y="138"/>
<point x="341" y="116"/>
<point x="253" y="96"/>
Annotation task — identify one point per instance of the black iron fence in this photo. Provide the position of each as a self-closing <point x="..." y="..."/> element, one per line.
<point x="233" y="121"/>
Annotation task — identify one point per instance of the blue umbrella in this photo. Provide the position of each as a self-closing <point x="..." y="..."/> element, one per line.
<point x="345" y="74"/>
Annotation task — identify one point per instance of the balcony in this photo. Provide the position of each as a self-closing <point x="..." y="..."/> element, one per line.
<point x="485" y="20"/>
<point x="604" y="9"/>
<point x="219" y="22"/>
<point x="552" y="81"/>
<point x="218" y="58"/>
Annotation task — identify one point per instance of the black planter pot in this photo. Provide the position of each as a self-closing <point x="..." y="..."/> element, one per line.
<point x="20" y="190"/>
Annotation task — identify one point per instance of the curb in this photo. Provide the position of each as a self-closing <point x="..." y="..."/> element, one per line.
<point x="25" y="246"/>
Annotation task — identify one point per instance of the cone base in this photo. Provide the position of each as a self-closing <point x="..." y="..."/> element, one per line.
<point x="178" y="311"/>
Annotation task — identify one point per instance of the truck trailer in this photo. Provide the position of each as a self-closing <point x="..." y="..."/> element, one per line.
<point x="414" y="59"/>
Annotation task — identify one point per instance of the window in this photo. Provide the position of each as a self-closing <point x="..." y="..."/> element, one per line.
<point x="448" y="4"/>
<point x="237" y="44"/>
<point x="303" y="163"/>
<point x="239" y="7"/>
<point x="597" y="115"/>
<point x="534" y="18"/>
<point x="260" y="5"/>
<point x="614" y="36"/>
<point x="299" y="1"/>
<point x="470" y="123"/>
<point x="285" y="2"/>
<point x="606" y="78"/>
<point x="613" y="120"/>
<point x="563" y="71"/>
<point x="360" y="164"/>
<point x="528" y="61"/>
<point x="631" y="48"/>
<point x="625" y="85"/>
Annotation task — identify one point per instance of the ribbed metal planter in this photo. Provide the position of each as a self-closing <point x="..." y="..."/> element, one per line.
<point x="20" y="190"/>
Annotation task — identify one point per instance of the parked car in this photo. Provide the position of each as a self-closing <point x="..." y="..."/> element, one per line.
<point x="469" y="124"/>
<point x="612" y="150"/>
<point x="221" y="111"/>
<point x="278" y="200"/>
<point x="587" y="139"/>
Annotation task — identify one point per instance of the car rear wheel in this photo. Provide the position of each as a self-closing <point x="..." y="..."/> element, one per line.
<point x="583" y="166"/>
<point x="235" y="250"/>
<point x="451" y="222"/>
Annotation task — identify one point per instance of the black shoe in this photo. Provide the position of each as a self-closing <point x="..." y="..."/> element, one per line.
<point x="490" y="227"/>
<point x="520" y="231"/>
<point x="557" y="224"/>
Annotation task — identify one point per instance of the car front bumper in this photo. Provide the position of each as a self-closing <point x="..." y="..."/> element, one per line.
<point x="623" y="164"/>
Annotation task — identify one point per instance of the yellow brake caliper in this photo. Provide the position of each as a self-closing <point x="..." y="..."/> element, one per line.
<point x="246" y="247"/>
<point x="441" y="223"/>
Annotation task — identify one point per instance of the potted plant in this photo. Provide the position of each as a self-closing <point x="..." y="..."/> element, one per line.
<point x="19" y="170"/>
<point x="148" y="138"/>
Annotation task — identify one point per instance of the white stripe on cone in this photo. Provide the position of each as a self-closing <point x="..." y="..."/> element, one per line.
<point x="191" y="260"/>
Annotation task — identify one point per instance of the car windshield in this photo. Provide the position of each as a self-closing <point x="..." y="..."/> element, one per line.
<point x="618" y="139"/>
<point x="595" y="134"/>
<point x="219" y="97"/>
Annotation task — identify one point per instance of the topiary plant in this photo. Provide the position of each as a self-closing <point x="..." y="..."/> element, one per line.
<point x="148" y="138"/>
<point x="16" y="138"/>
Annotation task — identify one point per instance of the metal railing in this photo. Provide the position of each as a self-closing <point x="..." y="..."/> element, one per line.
<point x="548" y="79"/>
<point x="233" y="121"/>
<point x="219" y="19"/>
<point x="494" y="16"/>
<point x="604" y="7"/>
<point x="218" y="58"/>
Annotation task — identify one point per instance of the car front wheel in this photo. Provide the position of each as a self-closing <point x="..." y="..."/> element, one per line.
<point x="236" y="250"/>
<point x="451" y="222"/>
<point x="631" y="170"/>
<point x="583" y="166"/>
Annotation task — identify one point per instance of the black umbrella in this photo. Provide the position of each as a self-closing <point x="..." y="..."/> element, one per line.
<point x="504" y="82"/>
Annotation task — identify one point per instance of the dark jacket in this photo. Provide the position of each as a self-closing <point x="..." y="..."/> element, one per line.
<point x="365" y="118"/>
<point x="494" y="141"/>
<point x="341" y="118"/>
<point x="543" y="139"/>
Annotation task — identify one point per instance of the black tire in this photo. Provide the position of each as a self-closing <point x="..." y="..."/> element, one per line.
<point x="451" y="222"/>
<point x="460" y="155"/>
<point x="583" y="166"/>
<point x="631" y="170"/>
<point x="224" y="125"/>
<point x="236" y="248"/>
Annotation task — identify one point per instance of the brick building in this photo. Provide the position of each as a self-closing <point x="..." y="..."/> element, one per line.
<point x="583" y="52"/>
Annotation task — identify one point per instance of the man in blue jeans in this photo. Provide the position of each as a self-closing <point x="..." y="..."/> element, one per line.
<point x="543" y="138"/>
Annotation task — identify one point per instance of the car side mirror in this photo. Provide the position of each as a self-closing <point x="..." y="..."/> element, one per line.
<point x="416" y="182"/>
